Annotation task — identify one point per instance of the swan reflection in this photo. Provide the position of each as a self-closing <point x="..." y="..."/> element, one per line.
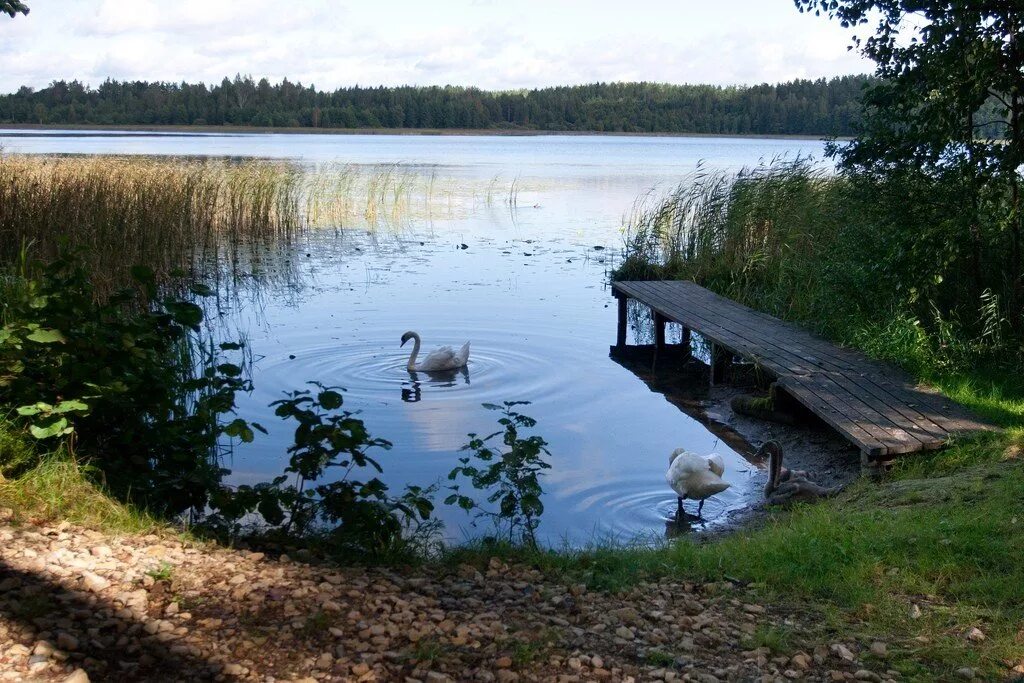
<point x="412" y="390"/>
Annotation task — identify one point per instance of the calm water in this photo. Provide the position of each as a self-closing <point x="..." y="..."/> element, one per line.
<point x="528" y="290"/>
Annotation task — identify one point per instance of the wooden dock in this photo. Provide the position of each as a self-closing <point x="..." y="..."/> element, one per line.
<point x="877" y="407"/>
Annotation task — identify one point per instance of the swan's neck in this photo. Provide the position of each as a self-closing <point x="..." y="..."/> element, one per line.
<point x="774" y="468"/>
<point x="415" y="351"/>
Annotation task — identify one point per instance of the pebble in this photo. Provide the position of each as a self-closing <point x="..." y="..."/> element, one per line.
<point x="966" y="672"/>
<point x="66" y="641"/>
<point x="801" y="661"/>
<point x="843" y="652"/>
<point x="975" y="635"/>
<point x="879" y="649"/>
<point x="94" y="582"/>
<point x="271" y="618"/>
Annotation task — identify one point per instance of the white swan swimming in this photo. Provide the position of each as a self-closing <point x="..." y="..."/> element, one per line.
<point x="695" y="477"/>
<point x="437" y="360"/>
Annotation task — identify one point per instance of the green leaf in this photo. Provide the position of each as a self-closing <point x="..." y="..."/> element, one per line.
<point x="229" y="369"/>
<point x="185" y="313"/>
<point x="330" y="400"/>
<point x="240" y="429"/>
<point x="70" y="406"/>
<point x="200" y="289"/>
<point x="34" y="409"/>
<point x="46" y="336"/>
<point x="58" y="427"/>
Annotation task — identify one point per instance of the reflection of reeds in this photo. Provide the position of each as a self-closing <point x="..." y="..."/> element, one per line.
<point x="202" y="217"/>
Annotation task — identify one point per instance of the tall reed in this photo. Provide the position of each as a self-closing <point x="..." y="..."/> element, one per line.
<point x="761" y="235"/>
<point x="878" y="263"/>
<point x="199" y="217"/>
<point x="118" y="212"/>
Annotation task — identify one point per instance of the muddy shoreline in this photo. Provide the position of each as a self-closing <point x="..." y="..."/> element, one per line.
<point x="808" y="445"/>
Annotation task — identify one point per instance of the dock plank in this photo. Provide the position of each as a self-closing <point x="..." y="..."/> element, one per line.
<point x="877" y="407"/>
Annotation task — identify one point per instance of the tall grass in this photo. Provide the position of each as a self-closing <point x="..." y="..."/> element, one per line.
<point x="200" y="218"/>
<point x="119" y="212"/>
<point x="874" y="263"/>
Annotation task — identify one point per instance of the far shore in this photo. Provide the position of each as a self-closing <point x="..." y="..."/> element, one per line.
<point x="514" y="132"/>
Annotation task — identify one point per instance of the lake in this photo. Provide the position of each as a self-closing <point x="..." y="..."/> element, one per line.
<point x="505" y="241"/>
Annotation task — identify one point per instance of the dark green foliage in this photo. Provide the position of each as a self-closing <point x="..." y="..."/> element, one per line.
<point x="881" y="262"/>
<point x="126" y="382"/>
<point x="803" y="107"/>
<point x="948" y="105"/>
<point x="511" y="478"/>
<point x="13" y="7"/>
<point x="329" y="451"/>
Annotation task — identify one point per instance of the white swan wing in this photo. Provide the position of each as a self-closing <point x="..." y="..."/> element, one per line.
<point x="462" y="357"/>
<point x="695" y="476"/>
<point x="683" y="468"/>
<point x="438" y="359"/>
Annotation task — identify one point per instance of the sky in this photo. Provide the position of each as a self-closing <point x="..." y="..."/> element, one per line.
<point x="493" y="44"/>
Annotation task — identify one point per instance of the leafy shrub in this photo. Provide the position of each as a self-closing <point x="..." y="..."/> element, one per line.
<point x="511" y="477"/>
<point x="126" y="382"/>
<point x="361" y="514"/>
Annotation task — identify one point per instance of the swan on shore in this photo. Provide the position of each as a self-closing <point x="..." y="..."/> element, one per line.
<point x="438" y="360"/>
<point x="784" y="486"/>
<point x="695" y="477"/>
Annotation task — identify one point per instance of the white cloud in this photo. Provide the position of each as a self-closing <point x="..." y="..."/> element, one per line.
<point x="467" y="42"/>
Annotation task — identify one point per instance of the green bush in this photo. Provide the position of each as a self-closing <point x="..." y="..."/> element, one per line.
<point x="357" y="513"/>
<point x="511" y="478"/>
<point x="889" y="263"/>
<point x="125" y="382"/>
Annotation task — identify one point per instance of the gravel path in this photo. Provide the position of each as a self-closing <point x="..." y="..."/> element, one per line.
<point x="76" y="605"/>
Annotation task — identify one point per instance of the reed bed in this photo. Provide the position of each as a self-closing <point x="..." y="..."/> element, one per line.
<point x="765" y="235"/>
<point x="174" y="216"/>
<point x="201" y="218"/>
<point x="879" y="264"/>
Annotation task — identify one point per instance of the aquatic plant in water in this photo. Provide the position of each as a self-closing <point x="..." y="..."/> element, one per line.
<point x="327" y="494"/>
<point x="511" y="478"/>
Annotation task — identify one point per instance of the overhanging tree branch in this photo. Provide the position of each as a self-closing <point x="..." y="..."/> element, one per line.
<point x="13" y="7"/>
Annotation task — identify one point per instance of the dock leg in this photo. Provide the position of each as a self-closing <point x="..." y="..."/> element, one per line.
<point x="659" y="338"/>
<point x="876" y="468"/>
<point x="659" y="331"/>
<point x="720" y="361"/>
<point x="620" y="339"/>
<point x="685" y="342"/>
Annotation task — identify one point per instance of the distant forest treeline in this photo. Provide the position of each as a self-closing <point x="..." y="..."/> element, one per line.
<point x="801" y="107"/>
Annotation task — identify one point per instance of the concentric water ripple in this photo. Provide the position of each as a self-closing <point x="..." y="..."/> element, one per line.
<point x="374" y="370"/>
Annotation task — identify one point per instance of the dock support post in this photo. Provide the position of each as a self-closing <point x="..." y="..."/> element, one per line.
<point x="876" y="468"/>
<point x="720" y="361"/>
<point x="686" y="341"/>
<point x="659" y="337"/>
<point x="620" y="339"/>
<point x="659" y="331"/>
